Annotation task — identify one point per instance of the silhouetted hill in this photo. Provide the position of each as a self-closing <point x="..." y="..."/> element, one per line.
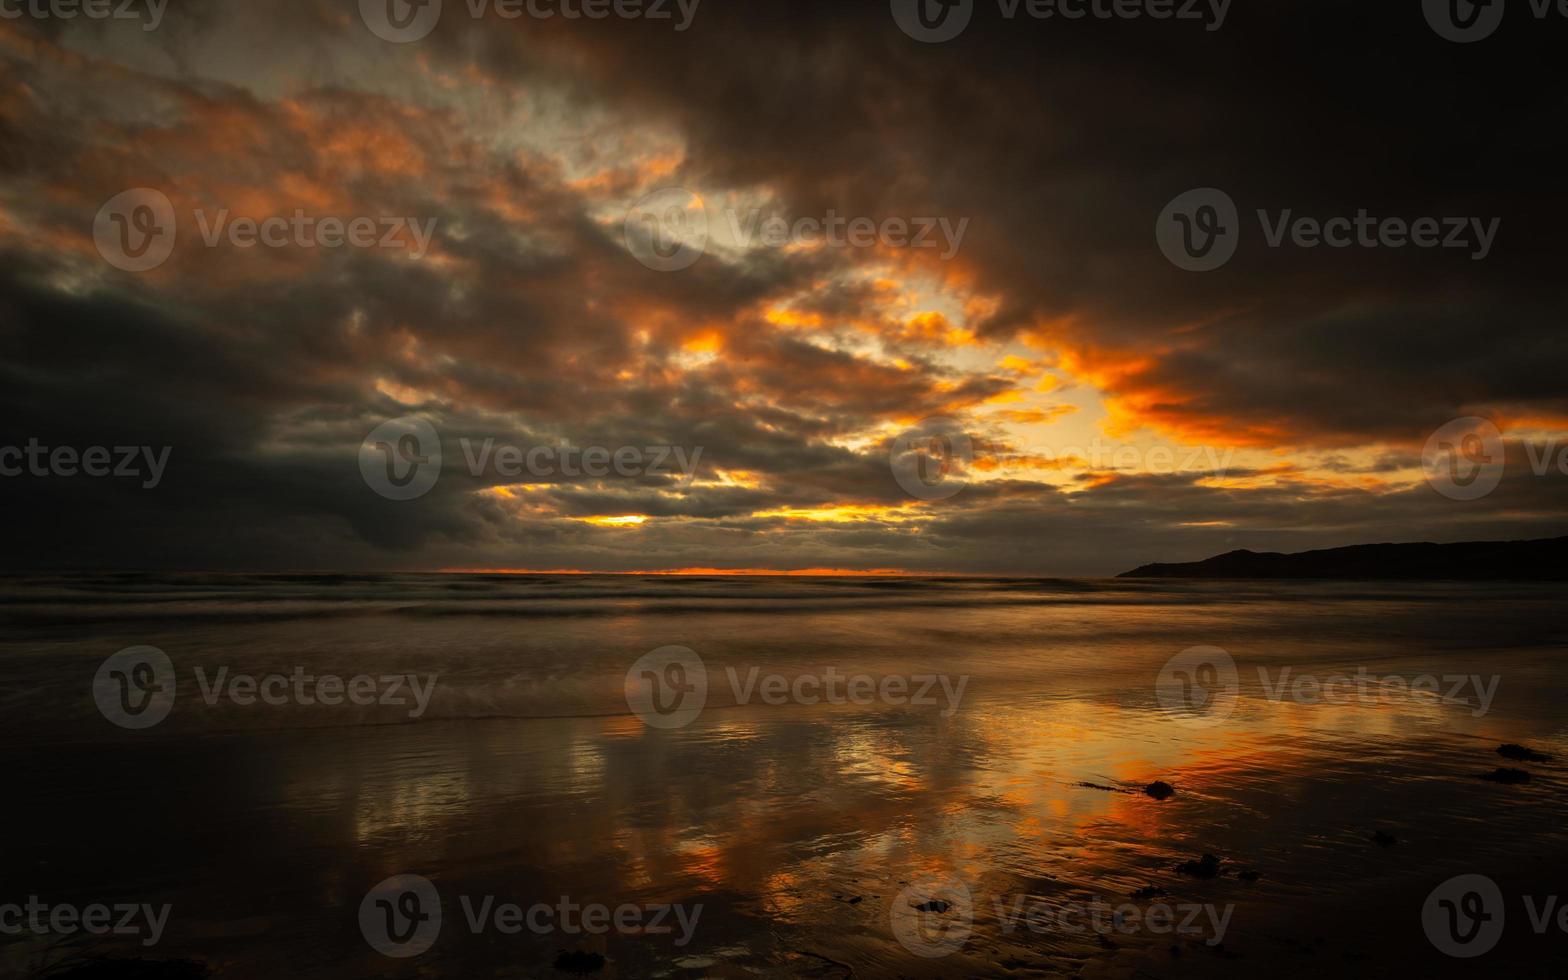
<point x="1477" y="560"/>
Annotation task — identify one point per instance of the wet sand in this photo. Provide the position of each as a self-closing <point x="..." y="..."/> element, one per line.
<point x="801" y="830"/>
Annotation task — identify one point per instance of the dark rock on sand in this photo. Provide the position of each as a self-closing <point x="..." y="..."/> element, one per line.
<point x="1382" y="839"/>
<point x="1508" y="777"/>
<point x="1151" y="891"/>
<point x="1160" y="790"/>
<point x="932" y="905"/>
<point x="1519" y="753"/>
<point x="133" y="970"/>
<point x="1250" y="874"/>
<point x="1207" y="866"/>
<point x="579" y="962"/>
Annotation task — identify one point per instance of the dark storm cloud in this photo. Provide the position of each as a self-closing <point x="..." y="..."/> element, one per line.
<point x="1064" y="140"/>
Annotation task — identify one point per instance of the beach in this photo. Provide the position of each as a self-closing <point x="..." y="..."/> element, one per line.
<point x="787" y="834"/>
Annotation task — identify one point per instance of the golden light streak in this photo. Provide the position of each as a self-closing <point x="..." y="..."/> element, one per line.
<point x="843" y="513"/>
<point x="624" y="520"/>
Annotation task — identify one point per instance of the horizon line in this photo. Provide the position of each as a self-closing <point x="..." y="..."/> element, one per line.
<point x="794" y="572"/>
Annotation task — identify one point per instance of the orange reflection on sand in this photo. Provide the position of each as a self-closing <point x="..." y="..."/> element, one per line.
<point x="1040" y="759"/>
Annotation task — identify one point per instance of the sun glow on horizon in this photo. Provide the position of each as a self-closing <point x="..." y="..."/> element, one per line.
<point x="737" y="572"/>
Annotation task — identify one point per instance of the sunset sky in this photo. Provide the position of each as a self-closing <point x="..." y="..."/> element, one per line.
<point x="1278" y="403"/>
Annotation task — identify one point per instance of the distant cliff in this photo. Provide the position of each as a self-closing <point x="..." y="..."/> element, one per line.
<point x="1545" y="560"/>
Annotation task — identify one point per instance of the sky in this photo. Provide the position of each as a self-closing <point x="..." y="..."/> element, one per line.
<point x="815" y="292"/>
